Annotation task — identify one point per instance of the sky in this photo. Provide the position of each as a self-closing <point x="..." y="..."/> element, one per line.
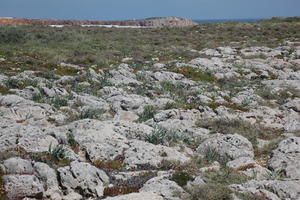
<point x="138" y="9"/>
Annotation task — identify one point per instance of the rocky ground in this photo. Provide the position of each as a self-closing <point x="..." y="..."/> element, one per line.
<point x="225" y="125"/>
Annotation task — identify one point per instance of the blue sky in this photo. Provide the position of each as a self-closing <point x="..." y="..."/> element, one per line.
<point x="135" y="9"/>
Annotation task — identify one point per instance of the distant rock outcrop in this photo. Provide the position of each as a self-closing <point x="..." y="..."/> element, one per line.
<point x="149" y="22"/>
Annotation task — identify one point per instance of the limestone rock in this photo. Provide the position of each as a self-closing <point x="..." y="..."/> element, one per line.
<point x="83" y="178"/>
<point x="286" y="157"/>
<point x="137" y="196"/>
<point x="231" y="146"/>
<point x="20" y="186"/>
<point x="282" y="189"/>
<point x="164" y="187"/>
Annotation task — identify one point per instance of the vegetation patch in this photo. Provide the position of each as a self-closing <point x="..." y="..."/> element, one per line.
<point x="232" y="126"/>
<point x="263" y="153"/>
<point x="280" y="97"/>
<point x="47" y="75"/>
<point x="181" y="178"/>
<point x="72" y="142"/>
<point x="111" y="165"/>
<point x="56" y="154"/>
<point x="148" y="113"/>
<point x="247" y="196"/>
<point x="228" y="105"/>
<point x="210" y="192"/>
<point x="91" y="113"/>
<point x="225" y="176"/>
<point x="13" y="83"/>
<point x="161" y="135"/>
<point x="66" y="71"/>
<point x="59" y="101"/>
<point x="211" y="155"/>
<point x="195" y="74"/>
<point x="128" y="186"/>
<point x="4" y="90"/>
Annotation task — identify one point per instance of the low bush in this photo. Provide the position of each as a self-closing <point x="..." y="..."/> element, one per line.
<point x="58" y="101"/>
<point x="148" y="113"/>
<point x="13" y="83"/>
<point x="195" y="74"/>
<point x="225" y="176"/>
<point x="161" y="135"/>
<point x="57" y="153"/>
<point x="181" y="178"/>
<point x="91" y="113"/>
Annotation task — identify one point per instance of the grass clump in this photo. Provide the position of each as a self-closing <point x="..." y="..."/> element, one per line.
<point x="274" y="175"/>
<point x="148" y="113"/>
<point x="181" y="178"/>
<point x="195" y="74"/>
<point x="54" y="157"/>
<point x="92" y="88"/>
<point x="47" y="75"/>
<point x="13" y="83"/>
<point x="58" y="152"/>
<point x="225" y="176"/>
<point x="91" y="113"/>
<point x="59" y="101"/>
<point x="211" y="155"/>
<point x="72" y="142"/>
<point x="163" y="136"/>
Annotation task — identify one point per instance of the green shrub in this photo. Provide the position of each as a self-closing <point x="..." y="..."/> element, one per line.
<point x="71" y="140"/>
<point x="225" y="176"/>
<point x="170" y="105"/>
<point x="181" y="178"/>
<point x="161" y="135"/>
<point x="48" y="75"/>
<point x="59" y="101"/>
<point x="274" y="175"/>
<point x="91" y="113"/>
<point x="211" y="155"/>
<point x="58" y="153"/>
<point x="196" y="74"/>
<point x="20" y="84"/>
<point x="12" y="35"/>
<point x="148" y="113"/>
